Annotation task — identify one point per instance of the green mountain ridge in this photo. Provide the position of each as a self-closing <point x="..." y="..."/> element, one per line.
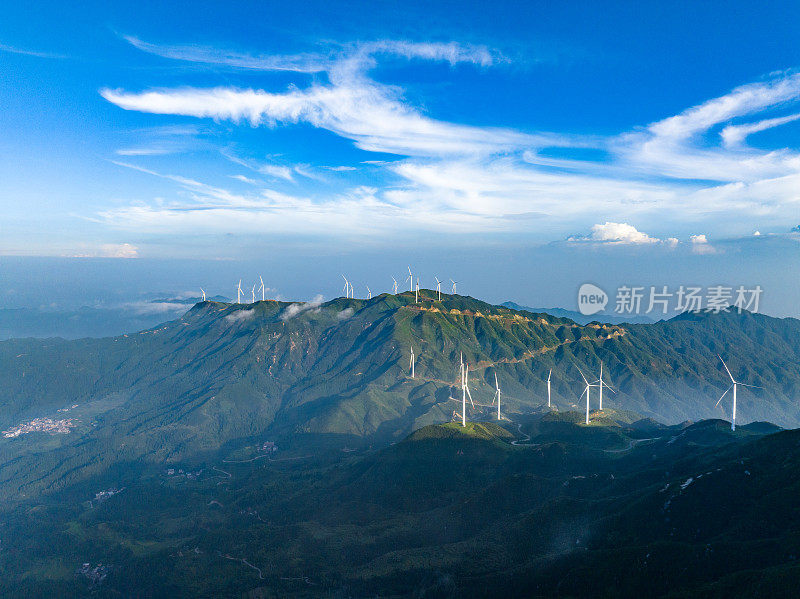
<point x="225" y="374"/>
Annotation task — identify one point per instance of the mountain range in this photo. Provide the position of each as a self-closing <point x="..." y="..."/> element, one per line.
<point x="226" y="373"/>
<point x="284" y="449"/>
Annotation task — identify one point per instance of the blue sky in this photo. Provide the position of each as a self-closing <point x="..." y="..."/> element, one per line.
<point x="577" y="141"/>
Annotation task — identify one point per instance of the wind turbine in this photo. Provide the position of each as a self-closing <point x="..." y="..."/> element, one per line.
<point x="369" y="293"/>
<point x="410" y="277"/>
<point x="394" y="286"/>
<point x="438" y="289"/>
<point x="239" y="293"/>
<point x="463" y="394"/>
<point x="734" y="382"/>
<point x="586" y="391"/>
<point x="454" y="286"/>
<point x="346" y="287"/>
<point x="466" y="384"/>
<point x="263" y="289"/>
<point x="204" y="294"/>
<point x="548" y="387"/>
<point x="411" y="363"/>
<point x="601" y="383"/>
<point x="254" y="293"/>
<point x="416" y="292"/>
<point x="497" y="394"/>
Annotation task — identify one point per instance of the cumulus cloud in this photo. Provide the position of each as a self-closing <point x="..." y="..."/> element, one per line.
<point x="617" y="233"/>
<point x="700" y="245"/>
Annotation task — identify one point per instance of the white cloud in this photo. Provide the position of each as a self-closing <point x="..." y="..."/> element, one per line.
<point x="274" y="170"/>
<point x="468" y="178"/>
<point x="151" y="307"/>
<point x="301" y="63"/>
<point x="617" y="233"/>
<point x="24" y="52"/>
<point x="109" y="250"/>
<point x="734" y="135"/>
<point x="244" y="179"/>
<point x="294" y="309"/>
<point x="240" y="316"/>
<point x="700" y="245"/>
<point x="157" y="151"/>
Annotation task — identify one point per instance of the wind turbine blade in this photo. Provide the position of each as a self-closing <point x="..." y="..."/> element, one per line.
<point x="726" y="368"/>
<point x="583" y="377"/>
<point x="753" y="386"/>
<point x="723" y="395"/>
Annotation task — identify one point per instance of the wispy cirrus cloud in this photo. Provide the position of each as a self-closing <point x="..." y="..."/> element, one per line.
<point x="301" y="63"/>
<point x="695" y="163"/>
<point x="25" y="52"/>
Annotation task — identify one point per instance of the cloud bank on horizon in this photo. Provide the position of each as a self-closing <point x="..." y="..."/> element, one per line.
<point x="456" y="177"/>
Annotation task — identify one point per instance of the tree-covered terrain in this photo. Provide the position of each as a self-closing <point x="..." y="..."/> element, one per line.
<point x="551" y="507"/>
<point x="278" y="449"/>
<point x="227" y="373"/>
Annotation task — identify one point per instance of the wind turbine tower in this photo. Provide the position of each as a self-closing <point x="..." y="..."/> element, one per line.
<point x="497" y="394"/>
<point x="463" y="393"/>
<point x="347" y="287"/>
<point x="438" y="289"/>
<point x="369" y="293"/>
<point x="454" y="286"/>
<point x="411" y="363"/>
<point x="410" y="278"/>
<point x="586" y="391"/>
<point x="734" y="383"/>
<point x="239" y="292"/>
<point x="548" y="387"/>
<point x="394" y="285"/>
<point x="601" y="383"/>
<point x="263" y="289"/>
<point x="253" y="292"/>
<point x="204" y="293"/>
